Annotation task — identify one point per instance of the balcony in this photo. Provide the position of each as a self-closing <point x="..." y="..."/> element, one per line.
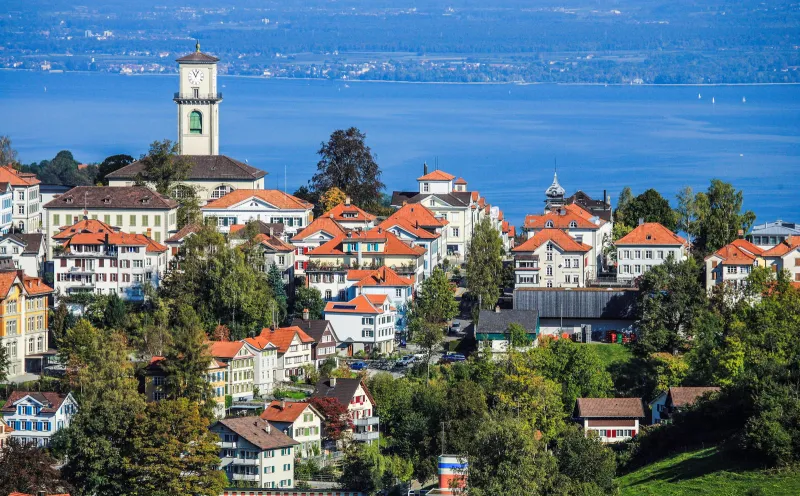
<point x="193" y="97"/>
<point x="227" y="444"/>
<point x="366" y="436"/>
<point x="244" y="477"/>
<point x="366" y="421"/>
<point x="251" y="462"/>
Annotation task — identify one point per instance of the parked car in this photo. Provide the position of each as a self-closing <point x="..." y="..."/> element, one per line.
<point x="404" y="361"/>
<point x="358" y="365"/>
<point x="455" y="328"/>
<point x="452" y="357"/>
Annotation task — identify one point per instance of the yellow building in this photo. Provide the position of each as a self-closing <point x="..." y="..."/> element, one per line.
<point x="23" y="319"/>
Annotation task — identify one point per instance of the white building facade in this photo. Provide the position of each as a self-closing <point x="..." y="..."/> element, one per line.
<point x="369" y="321"/>
<point x="37" y="416"/>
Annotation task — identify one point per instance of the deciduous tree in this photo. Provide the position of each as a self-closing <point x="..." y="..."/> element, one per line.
<point x="311" y="299"/>
<point x="27" y="468"/>
<point x="436" y="301"/>
<point x="8" y="155"/>
<point x="331" y="198"/>
<point x="112" y="164"/>
<point x="337" y="418"/>
<point x="164" y="166"/>
<point x="485" y="264"/>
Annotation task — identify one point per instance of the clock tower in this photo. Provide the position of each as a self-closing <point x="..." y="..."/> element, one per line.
<point x="198" y="104"/>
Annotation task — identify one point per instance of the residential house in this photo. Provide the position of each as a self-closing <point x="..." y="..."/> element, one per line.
<point x="351" y="217"/>
<point x="266" y="364"/>
<point x="268" y="250"/>
<point x="300" y="421"/>
<point x="240" y="363"/>
<point x="647" y="245"/>
<point x="252" y="450"/>
<point x="676" y="398"/>
<point x="175" y="242"/>
<point x="416" y="225"/>
<point x="27" y="216"/>
<point x="216" y="376"/>
<point x="383" y="281"/>
<point x="6" y="207"/>
<point x="367" y="321"/>
<point x="491" y="329"/>
<point x="5" y="432"/>
<point x="131" y="209"/>
<point x="732" y="264"/>
<point x="23" y="320"/>
<point x="551" y="259"/>
<point x="599" y="208"/>
<point x="91" y="256"/>
<point x="319" y="232"/>
<point x="770" y="234"/>
<point x="26" y="252"/>
<point x="210" y="176"/>
<point x="238" y="234"/>
<point x="322" y="332"/>
<point x="36" y="416"/>
<point x="613" y="419"/>
<point x="353" y="394"/>
<point x="785" y="256"/>
<point x="268" y="205"/>
<point x="293" y="353"/>
<point x="328" y="264"/>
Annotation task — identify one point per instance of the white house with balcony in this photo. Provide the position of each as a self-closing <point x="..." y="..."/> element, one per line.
<point x="37" y="416"/>
<point x="368" y="321"/>
<point x="265" y="369"/>
<point x="551" y="259"/>
<point x="298" y="420"/>
<point x="252" y="450"/>
<point x="293" y="351"/>
<point x="271" y="206"/>
<point x="648" y="245"/>
<point x="732" y="264"/>
<point x="353" y="394"/>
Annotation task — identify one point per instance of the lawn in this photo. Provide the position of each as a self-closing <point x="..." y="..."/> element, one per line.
<point x="612" y="353"/>
<point x="707" y="472"/>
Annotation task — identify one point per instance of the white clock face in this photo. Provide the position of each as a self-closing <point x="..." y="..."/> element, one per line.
<point x="196" y="76"/>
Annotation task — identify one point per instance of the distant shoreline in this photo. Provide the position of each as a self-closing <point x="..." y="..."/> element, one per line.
<point x="473" y="83"/>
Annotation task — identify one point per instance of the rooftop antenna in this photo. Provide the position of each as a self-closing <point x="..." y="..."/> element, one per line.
<point x="284" y="179"/>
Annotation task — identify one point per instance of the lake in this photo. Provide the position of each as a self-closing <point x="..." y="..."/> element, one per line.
<point x="503" y="139"/>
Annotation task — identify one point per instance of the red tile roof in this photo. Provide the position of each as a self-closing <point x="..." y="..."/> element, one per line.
<point x="559" y="221"/>
<point x="383" y="276"/>
<point x="359" y="304"/>
<point x="392" y="244"/>
<point x="35" y="286"/>
<point x="274" y="242"/>
<point x="282" y="337"/>
<point x="417" y="214"/>
<point x="581" y="212"/>
<point x="339" y="210"/>
<point x="9" y="174"/>
<point x="225" y="349"/>
<point x="557" y="236"/>
<point x="437" y="175"/>
<point x="324" y="224"/>
<point x="783" y="247"/>
<point x="51" y="401"/>
<point x="284" y="411"/>
<point x="85" y="225"/>
<point x="274" y="197"/>
<point x="610" y="407"/>
<point x="461" y="180"/>
<point x="747" y="246"/>
<point x="651" y="233"/>
<point x="733" y="255"/>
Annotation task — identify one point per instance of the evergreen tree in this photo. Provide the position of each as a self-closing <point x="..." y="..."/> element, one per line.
<point x="115" y="314"/>
<point x="485" y="264"/>
<point x="275" y="281"/>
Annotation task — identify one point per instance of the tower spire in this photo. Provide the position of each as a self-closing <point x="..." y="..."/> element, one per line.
<point x="197" y="46"/>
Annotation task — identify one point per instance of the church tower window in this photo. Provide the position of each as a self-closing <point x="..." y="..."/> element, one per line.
<point x="195" y="122"/>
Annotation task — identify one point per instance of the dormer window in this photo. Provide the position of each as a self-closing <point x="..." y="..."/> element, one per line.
<point x="107" y="200"/>
<point x="573" y="224"/>
<point x="145" y="200"/>
<point x="69" y="199"/>
<point x="548" y="224"/>
<point x="649" y="237"/>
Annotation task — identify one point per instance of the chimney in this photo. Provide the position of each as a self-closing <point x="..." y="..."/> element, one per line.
<point x="283" y="405"/>
<point x="305" y="314"/>
<point x="605" y="197"/>
<point x="347" y="201"/>
<point x="106" y="239"/>
<point x="425" y="168"/>
<point x="497" y="309"/>
<point x="332" y="382"/>
<point x="270" y="231"/>
<point x="641" y="220"/>
<point x="149" y="232"/>
<point x="267" y="428"/>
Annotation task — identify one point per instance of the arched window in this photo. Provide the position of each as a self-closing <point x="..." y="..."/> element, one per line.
<point x="195" y="122"/>
<point x="548" y="224"/>
<point x="573" y="224"/>
<point x="221" y="191"/>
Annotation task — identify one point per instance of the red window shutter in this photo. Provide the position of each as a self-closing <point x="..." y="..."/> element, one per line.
<point x="63" y="262"/>
<point x="305" y="265"/>
<point x="613" y="433"/>
<point x="102" y="262"/>
<point x="633" y="433"/>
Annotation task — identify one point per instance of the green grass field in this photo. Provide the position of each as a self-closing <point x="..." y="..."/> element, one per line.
<point x="611" y="353"/>
<point x="707" y="472"/>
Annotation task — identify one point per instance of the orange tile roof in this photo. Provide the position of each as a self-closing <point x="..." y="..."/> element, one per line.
<point x="377" y="299"/>
<point x="733" y="255"/>
<point x="383" y="276"/>
<point x="474" y="196"/>
<point x="116" y="239"/>
<point x="409" y="227"/>
<point x="339" y="210"/>
<point x="282" y="337"/>
<point x="417" y="214"/>
<point x="747" y="246"/>
<point x="225" y="349"/>
<point x="325" y="224"/>
<point x="184" y="232"/>
<point x="437" y="175"/>
<point x="580" y="211"/>
<point x="651" y="233"/>
<point x="274" y="242"/>
<point x="557" y="236"/>
<point x="392" y="244"/>
<point x="559" y="221"/>
<point x="783" y="247"/>
<point x="274" y="197"/>
<point x="359" y="304"/>
<point x="7" y="279"/>
<point x="85" y="225"/>
<point x="461" y="180"/>
<point x="286" y="411"/>
<point x="9" y="174"/>
<point x="35" y="286"/>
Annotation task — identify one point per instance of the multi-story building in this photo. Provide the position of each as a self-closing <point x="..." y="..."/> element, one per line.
<point x="131" y="209"/>
<point x="210" y="175"/>
<point x="294" y="350"/>
<point x="648" y="245"/>
<point x="266" y="364"/>
<point x="770" y="234"/>
<point x="785" y="256"/>
<point x="25" y="251"/>
<point x="353" y="394"/>
<point x="252" y="450"/>
<point x="23" y="319"/>
<point x="300" y="421"/>
<point x="418" y="226"/>
<point x="598" y="208"/>
<point x="240" y="363"/>
<point x="551" y="259"/>
<point x="383" y="281"/>
<point x="268" y="205"/>
<point x="92" y="256"/>
<point x="5" y="433"/>
<point x="368" y="321"/>
<point x="322" y="332"/>
<point x="320" y="231"/>
<point x="6" y="207"/>
<point x="350" y="216"/>
<point x="612" y="419"/>
<point x="732" y="264"/>
<point x="216" y="376"/>
<point x="27" y="216"/>
<point x="36" y="416"/>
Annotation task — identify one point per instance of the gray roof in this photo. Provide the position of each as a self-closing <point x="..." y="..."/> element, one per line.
<point x="455" y="198"/>
<point x="343" y="390"/>
<point x="198" y="57"/>
<point x="271" y="228"/>
<point x="32" y="242"/>
<point x="595" y="207"/>
<point x="580" y="303"/>
<point x="778" y="227"/>
<point x="493" y="322"/>
<point x="128" y="197"/>
<point x="204" y="167"/>
<point x="314" y="328"/>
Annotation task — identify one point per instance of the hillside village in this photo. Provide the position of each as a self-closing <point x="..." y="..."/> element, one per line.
<point x="298" y="335"/>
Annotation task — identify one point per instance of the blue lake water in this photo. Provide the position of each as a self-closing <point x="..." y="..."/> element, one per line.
<point x="502" y="139"/>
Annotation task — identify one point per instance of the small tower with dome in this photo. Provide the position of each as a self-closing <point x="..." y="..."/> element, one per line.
<point x="554" y="195"/>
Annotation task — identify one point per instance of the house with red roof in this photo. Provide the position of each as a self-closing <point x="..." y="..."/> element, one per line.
<point x="298" y="420"/>
<point x="732" y="263"/>
<point x="418" y="226"/>
<point x="292" y="351"/>
<point x="785" y="256"/>
<point x="239" y="361"/>
<point x="27" y="209"/>
<point x="349" y="216"/>
<point x="551" y="259"/>
<point x="321" y="230"/>
<point x="36" y="416"/>
<point x="92" y="256"/>
<point x="267" y="205"/>
<point x="647" y="245"/>
<point x="366" y="323"/>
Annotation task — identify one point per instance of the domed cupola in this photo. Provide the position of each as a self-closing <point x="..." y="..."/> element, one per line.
<point x="555" y="194"/>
